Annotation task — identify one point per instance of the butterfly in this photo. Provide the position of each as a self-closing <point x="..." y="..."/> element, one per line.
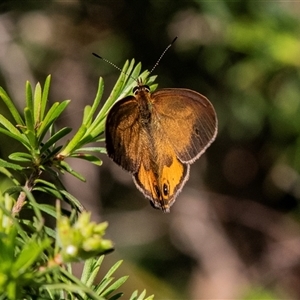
<point x="157" y="136"/>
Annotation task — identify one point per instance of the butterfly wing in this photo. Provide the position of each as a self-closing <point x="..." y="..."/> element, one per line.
<point x="161" y="175"/>
<point x="123" y="131"/>
<point x="187" y="119"/>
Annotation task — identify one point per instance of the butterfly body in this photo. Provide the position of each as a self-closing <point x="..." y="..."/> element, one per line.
<point x="156" y="136"/>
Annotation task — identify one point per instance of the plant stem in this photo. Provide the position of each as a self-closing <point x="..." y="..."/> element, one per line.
<point x="29" y="184"/>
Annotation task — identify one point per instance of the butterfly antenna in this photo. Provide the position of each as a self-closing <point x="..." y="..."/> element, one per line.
<point x="157" y="63"/>
<point x="112" y="64"/>
<point x="137" y="80"/>
<point x="106" y="60"/>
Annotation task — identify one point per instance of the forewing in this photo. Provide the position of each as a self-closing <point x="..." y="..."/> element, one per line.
<point x="188" y="120"/>
<point x="123" y="143"/>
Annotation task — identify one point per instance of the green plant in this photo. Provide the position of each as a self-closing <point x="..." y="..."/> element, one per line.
<point x="36" y="259"/>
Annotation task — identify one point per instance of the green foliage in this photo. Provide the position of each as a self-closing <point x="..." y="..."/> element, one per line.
<point x="83" y="239"/>
<point x="36" y="259"/>
<point x="259" y="293"/>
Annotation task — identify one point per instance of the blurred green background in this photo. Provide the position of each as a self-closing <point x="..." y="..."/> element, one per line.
<point x="234" y="231"/>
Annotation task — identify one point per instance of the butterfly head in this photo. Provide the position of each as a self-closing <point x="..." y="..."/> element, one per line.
<point x="139" y="88"/>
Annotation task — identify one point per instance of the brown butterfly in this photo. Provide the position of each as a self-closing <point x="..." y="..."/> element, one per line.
<point x="156" y="136"/>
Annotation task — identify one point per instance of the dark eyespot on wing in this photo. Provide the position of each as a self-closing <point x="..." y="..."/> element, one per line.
<point x="165" y="190"/>
<point x="157" y="192"/>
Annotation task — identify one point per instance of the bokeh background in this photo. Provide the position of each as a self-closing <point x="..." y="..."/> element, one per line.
<point x="234" y="231"/>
